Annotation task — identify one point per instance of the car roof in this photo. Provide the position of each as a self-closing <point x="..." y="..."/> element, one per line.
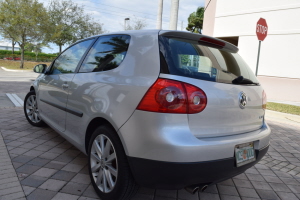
<point x="171" y="33"/>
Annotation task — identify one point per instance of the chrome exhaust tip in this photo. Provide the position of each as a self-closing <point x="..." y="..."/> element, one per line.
<point x="203" y="188"/>
<point x="192" y="189"/>
<point x="195" y="188"/>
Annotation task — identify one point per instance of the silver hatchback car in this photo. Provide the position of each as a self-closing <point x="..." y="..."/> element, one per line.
<point x="161" y="109"/>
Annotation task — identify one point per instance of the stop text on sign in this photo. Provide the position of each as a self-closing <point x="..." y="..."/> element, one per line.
<point x="261" y="29"/>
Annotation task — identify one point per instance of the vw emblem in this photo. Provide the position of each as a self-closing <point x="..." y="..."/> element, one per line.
<point x="242" y="100"/>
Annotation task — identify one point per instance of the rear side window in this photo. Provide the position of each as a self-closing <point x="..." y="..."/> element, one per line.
<point x="190" y="59"/>
<point x="107" y="53"/>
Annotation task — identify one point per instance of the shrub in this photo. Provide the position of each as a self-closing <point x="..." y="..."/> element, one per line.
<point x="30" y="56"/>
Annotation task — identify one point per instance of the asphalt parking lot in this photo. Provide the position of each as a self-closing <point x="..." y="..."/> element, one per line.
<point x="37" y="163"/>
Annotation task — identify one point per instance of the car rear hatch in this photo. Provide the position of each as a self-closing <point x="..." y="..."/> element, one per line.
<point x="234" y="96"/>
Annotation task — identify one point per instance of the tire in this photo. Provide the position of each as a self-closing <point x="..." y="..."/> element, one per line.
<point x="31" y="110"/>
<point x="116" y="181"/>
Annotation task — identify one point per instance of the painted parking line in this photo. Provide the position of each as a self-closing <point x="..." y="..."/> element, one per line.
<point x="15" y="99"/>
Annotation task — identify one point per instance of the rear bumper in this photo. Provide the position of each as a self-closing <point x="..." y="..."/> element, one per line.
<point x="171" y="175"/>
<point x="167" y="138"/>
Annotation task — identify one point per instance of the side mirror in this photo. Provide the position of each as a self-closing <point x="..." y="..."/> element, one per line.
<point x="40" y="68"/>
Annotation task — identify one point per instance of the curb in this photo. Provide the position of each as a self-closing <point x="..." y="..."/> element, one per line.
<point x="13" y="70"/>
<point x="283" y="117"/>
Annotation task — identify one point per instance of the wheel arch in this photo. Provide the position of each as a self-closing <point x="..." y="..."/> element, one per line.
<point x="95" y="123"/>
<point x="32" y="88"/>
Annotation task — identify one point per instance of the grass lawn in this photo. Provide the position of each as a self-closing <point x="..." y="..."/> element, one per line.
<point x="28" y="65"/>
<point x="284" y="108"/>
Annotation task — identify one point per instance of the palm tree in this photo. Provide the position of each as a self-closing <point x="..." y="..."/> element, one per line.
<point x="196" y="21"/>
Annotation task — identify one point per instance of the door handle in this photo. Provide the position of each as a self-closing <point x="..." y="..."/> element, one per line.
<point x="65" y="86"/>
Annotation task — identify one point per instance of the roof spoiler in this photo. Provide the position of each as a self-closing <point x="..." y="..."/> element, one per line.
<point x="202" y="39"/>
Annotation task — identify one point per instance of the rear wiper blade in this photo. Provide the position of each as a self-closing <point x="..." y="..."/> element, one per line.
<point x="242" y="80"/>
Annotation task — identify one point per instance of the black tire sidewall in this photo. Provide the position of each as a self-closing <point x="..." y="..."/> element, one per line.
<point x="123" y="169"/>
<point x="40" y="123"/>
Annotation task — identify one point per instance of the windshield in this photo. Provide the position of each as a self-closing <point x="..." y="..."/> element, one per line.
<point x="190" y="59"/>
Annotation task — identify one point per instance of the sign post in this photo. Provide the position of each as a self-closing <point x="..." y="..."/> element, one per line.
<point x="261" y="32"/>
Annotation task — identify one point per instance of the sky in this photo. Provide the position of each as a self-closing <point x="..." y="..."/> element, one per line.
<point x="111" y="13"/>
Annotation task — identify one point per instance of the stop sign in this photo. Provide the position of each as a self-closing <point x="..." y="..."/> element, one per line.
<point x="261" y="29"/>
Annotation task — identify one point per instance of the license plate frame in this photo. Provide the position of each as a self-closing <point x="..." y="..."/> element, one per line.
<point x="244" y="154"/>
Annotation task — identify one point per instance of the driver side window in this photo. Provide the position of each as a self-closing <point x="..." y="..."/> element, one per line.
<point x="69" y="59"/>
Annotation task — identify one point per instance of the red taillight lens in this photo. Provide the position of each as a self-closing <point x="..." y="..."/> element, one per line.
<point x="264" y="100"/>
<point x="169" y="96"/>
<point x="196" y="99"/>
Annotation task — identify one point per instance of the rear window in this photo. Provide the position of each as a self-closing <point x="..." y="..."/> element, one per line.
<point x="190" y="59"/>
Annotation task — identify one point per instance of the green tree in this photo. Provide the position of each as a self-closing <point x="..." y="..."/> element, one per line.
<point x="86" y="28"/>
<point x="136" y="24"/>
<point x="23" y="21"/>
<point x="69" y="23"/>
<point x="8" y="37"/>
<point x="36" y="48"/>
<point x="195" y="21"/>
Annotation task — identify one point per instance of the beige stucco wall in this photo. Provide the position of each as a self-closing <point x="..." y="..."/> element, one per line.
<point x="209" y="17"/>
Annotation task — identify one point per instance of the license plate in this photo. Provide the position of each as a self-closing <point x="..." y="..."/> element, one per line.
<point x="244" y="154"/>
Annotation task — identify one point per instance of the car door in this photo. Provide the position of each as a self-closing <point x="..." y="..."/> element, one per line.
<point x="91" y="88"/>
<point x="54" y="86"/>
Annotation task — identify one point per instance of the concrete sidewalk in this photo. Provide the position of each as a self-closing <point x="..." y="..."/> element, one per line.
<point x="286" y="118"/>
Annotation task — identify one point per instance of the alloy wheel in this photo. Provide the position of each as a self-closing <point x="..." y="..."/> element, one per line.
<point x="103" y="163"/>
<point x="32" y="110"/>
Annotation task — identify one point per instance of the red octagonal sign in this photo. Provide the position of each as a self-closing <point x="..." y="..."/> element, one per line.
<point x="261" y="29"/>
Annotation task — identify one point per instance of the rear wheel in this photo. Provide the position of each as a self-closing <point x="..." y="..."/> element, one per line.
<point x="31" y="110"/>
<point x="108" y="166"/>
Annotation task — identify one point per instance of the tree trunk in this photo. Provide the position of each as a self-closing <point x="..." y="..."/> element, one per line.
<point x="36" y="53"/>
<point x="13" y="47"/>
<point x="22" y="57"/>
<point x="59" y="48"/>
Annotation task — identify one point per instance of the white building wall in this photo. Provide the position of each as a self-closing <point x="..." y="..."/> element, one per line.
<point x="279" y="51"/>
<point x="5" y="45"/>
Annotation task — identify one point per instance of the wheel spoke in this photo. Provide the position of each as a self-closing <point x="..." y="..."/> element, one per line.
<point x="96" y="168"/>
<point x="33" y="100"/>
<point x="102" y="143"/>
<point x="112" y="170"/>
<point x="111" y="157"/>
<point x="95" y="157"/>
<point x="104" y="182"/>
<point x="97" y="148"/>
<point x="29" y="107"/>
<point x="29" y="101"/>
<point x="35" y="117"/>
<point x="99" y="178"/>
<point x="107" y="149"/>
<point x="30" y="112"/>
<point x="109" y="178"/>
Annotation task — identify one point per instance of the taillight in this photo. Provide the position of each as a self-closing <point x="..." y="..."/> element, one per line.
<point x="264" y="100"/>
<point x="169" y="96"/>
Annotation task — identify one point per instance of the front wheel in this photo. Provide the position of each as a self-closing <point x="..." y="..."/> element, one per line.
<point x="31" y="110"/>
<point x="108" y="166"/>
